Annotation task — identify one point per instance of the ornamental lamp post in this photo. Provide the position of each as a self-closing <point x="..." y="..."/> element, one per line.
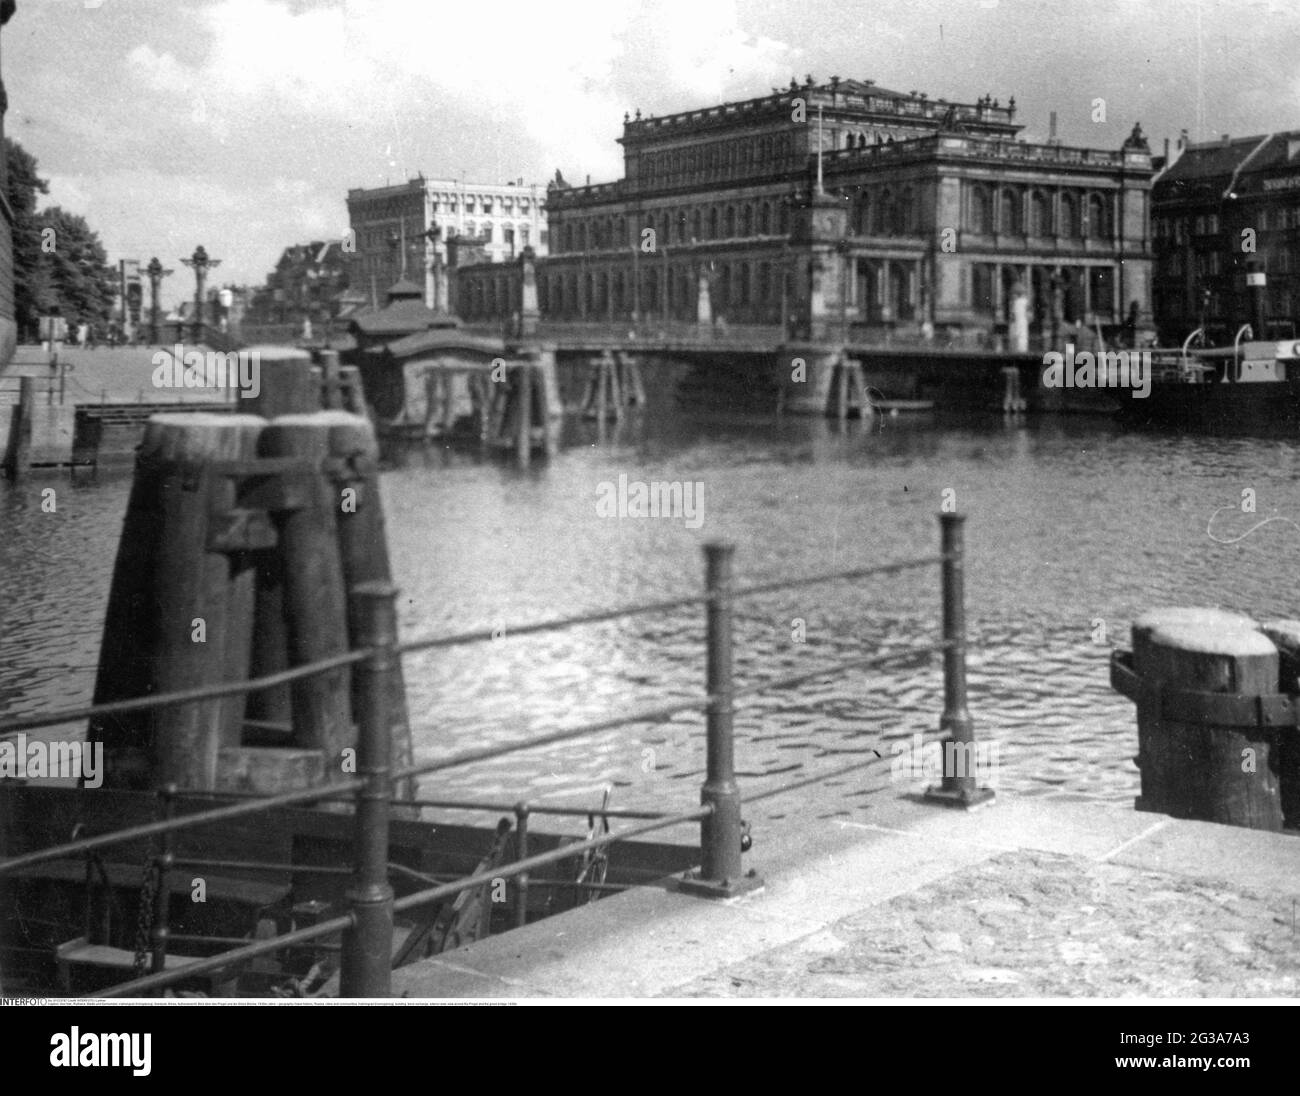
<point x="156" y="274"/>
<point x="200" y="263"/>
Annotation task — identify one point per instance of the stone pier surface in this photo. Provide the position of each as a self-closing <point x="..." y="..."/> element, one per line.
<point x="1024" y="898"/>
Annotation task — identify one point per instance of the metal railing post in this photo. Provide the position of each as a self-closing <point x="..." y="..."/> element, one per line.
<point x="521" y="880"/>
<point x="959" y="786"/>
<point x="162" y="894"/>
<point x="367" y="961"/>
<point x="720" y="874"/>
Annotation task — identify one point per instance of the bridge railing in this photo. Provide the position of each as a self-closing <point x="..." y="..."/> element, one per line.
<point x="367" y="926"/>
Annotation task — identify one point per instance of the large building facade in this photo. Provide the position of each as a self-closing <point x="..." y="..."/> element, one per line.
<point x="403" y="231"/>
<point x="917" y="212"/>
<point x="1226" y="222"/>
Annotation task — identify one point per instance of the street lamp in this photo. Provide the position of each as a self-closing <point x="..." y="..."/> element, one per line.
<point x="200" y="263"/>
<point x="156" y="274"/>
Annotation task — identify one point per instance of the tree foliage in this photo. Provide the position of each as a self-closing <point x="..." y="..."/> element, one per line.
<point x="31" y="286"/>
<point x="60" y="266"/>
<point x="81" y="283"/>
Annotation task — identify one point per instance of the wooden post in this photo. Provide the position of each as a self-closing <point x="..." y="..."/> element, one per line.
<point x="483" y="394"/>
<point x="331" y="379"/>
<point x="315" y="606"/>
<point x="1286" y="635"/>
<point x="841" y="390"/>
<point x="176" y="609"/>
<point x="858" y="387"/>
<point x="288" y="385"/>
<point x="448" y="402"/>
<point x="363" y="549"/>
<point x="524" y="418"/>
<point x="615" y="388"/>
<point x="1153" y="758"/>
<point x="1214" y="773"/>
<point x="588" y="392"/>
<point x="18" y="457"/>
<point x="633" y="382"/>
<point x="602" y="396"/>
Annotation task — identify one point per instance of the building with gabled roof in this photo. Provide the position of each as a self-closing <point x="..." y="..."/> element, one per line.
<point x="1224" y="213"/>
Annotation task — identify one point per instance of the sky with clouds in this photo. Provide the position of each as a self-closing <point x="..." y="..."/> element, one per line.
<point x="241" y="124"/>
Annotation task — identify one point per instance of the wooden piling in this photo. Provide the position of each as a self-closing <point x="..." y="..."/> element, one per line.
<point x="177" y="610"/>
<point x="524" y="415"/>
<point x="315" y="597"/>
<point x="608" y="364"/>
<point x="363" y="551"/>
<point x="331" y="379"/>
<point x="1154" y="760"/>
<point x="288" y="385"/>
<point x="1211" y="772"/>
<point x="1285" y="635"/>
<point x="633" y="379"/>
<point x="18" y="457"/>
<point x="448" y="402"/>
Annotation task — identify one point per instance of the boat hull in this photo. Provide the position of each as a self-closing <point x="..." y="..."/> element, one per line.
<point x="1217" y="407"/>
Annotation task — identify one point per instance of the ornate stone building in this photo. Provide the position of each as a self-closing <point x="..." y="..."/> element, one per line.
<point x="1222" y="211"/>
<point x="917" y="213"/>
<point x="403" y="231"/>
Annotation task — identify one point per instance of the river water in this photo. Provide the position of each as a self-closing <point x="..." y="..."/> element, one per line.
<point x="1074" y="527"/>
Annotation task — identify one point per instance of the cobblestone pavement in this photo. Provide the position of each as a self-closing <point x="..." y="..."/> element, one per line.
<point x="1034" y="924"/>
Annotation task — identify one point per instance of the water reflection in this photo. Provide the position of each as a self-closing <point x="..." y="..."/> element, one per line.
<point x="1072" y="522"/>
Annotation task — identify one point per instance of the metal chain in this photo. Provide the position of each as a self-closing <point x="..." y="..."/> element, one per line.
<point x="144" y="918"/>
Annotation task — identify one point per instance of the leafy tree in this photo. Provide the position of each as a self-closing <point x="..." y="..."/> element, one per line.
<point x="80" y="280"/>
<point x="59" y="263"/>
<point x="32" y="294"/>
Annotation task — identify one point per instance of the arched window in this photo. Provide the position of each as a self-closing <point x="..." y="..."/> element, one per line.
<point x="880" y="222"/>
<point x="782" y="219"/>
<point x="1010" y="212"/>
<point x="764" y="282"/>
<point x="765" y="218"/>
<point x="695" y="225"/>
<point x="1039" y="218"/>
<point x="747" y="220"/>
<point x="713" y="223"/>
<point x="730" y="222"/>
<point x="1098" y="222"/>
<point x="860" y="221"/>
<point x="981" y="211"/>
<point x="1069" y="215"/>
<point x="744" y="283"/>
<point x="907" y="210"/>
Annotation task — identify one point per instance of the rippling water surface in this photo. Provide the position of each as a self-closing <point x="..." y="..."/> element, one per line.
<point x="1074" y="527"/>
